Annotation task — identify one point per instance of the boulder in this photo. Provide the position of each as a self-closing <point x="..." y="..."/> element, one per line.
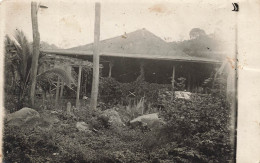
<point x="112" y="117"/>
<point x="151" y="121"/>
<point x="22" y="116"/>
<point x="82" y="126"/>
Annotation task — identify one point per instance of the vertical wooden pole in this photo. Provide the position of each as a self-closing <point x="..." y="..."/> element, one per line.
<point x="111" y="64"/>
<point x="95" y="82"/>
<point x="36" y="50"/>
<point x="86" y="82"/>
<point x="78" y="88"/>
<point x="61" y="89"/>
<point x="57" y="92"/>
<point x="142" y="73"/>
<point x="173" y="76"/>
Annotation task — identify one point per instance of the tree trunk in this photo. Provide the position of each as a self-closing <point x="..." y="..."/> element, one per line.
<point x="36" y="50"/>
<point x="95" y="82"/>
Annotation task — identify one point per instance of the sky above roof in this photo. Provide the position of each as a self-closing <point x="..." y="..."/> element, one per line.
<point x="71" y="23"/>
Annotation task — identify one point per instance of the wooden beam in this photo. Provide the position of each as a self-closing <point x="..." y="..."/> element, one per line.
<point x="36" y="50"/>
<point x="95" y="82"/>
<point x="78" y="88"/>
<point x="173" y="76"/>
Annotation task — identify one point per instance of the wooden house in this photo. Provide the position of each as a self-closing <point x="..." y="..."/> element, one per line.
<point x="141" y="52"/>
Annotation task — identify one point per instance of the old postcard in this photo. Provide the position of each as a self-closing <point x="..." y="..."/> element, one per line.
<point x="130" y="81"/>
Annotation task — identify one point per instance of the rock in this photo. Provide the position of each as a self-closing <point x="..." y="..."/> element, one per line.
<point x="82" y="126"/>
<point x="182" y="95"/>
<point x="51" y="119"/>
<point x="22" y="116"/>
<point x="113" y="118"/>
<point x="54" y="112"/>
<point x="152" y="121"/>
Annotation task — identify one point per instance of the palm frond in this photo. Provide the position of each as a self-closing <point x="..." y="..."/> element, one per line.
<point x="64" y="75"/>
<point x="24" y="53"/>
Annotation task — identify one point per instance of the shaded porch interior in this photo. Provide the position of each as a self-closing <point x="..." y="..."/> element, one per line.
<point x="127" y="70"/>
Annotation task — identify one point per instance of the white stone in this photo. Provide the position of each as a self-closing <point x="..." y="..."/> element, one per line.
<point x="182" y="95"/>
<point x="82" y="126"/>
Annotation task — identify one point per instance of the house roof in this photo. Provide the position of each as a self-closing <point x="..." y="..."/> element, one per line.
<point x="137" y="44"/>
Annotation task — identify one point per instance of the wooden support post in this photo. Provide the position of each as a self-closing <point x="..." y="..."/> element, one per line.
<point x="86" y="82"/>
<point x="78" y="88"/>
<point x="173" y="76"/>
<point x="36" y="50"/>
<point x="111" y="64"/>
<point x="95" y="82"/>
<point x="57" y="92"/>
<point x="61" y="89"/>
<point x="141" y="76"/>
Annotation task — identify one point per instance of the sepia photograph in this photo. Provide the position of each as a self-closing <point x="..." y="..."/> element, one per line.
<point x="120" y="81"/>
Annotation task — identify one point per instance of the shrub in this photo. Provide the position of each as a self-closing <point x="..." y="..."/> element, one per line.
<point x="199" y="127"/>
<point x="113" y="92"/>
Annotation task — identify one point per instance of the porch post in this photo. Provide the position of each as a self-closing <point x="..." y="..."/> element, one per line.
<point x="57" y="92"/>
<point x="173" y="76"/>
<point x="61" y="89"/>
<point x="141" y="71"/>
<point x="111" y="64"/>
<point x="78" y="88"/>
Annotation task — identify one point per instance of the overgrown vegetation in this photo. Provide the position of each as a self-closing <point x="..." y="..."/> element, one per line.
<point x="195" y="130"/>
<point x="113" y="92"/>
<point x="18" y="58"/>
<point x="198" y="129"/>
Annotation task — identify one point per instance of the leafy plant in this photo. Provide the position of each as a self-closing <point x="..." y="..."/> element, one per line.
<point x="18" y="56"/>
<point x="200" y="126"/>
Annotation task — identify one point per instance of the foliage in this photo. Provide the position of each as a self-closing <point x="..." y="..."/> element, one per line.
<point x="199" y="127"/>
<point x="180" y="84"/>
<point x="112" y="92"/>
<point x="201" y="45"/>
<point x="197" y="32"/>
<point x="64" y="143"/>
<point x="18" y="58"/>
<point x="196" y="131"/>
